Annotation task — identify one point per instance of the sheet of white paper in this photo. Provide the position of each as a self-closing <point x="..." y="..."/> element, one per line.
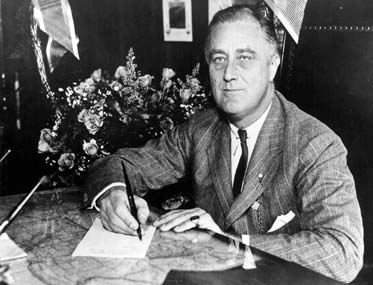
<point x="281" y="221"/>
<point x="8" y="249"/>
<point x="246" y="239"/>
<point x="249" y="262"/>
<point x="102" y="243"/>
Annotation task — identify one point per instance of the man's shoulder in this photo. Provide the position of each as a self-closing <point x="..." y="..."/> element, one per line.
<point x="303" y="121"/>
<point x="308" y="129"/>
<point x="203" y="126"/>
<point x="210" y="114"/>
<point x="205" y="119"/>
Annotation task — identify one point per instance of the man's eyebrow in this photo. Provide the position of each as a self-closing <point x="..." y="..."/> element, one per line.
<point x="214" y="51"/>
<point x="242" y="50"/>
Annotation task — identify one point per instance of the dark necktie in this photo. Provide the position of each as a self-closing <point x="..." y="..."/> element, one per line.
<point x="241" y="168"/>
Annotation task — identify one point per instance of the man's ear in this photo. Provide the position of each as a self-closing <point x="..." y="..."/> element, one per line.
<point x="273" y="66"/>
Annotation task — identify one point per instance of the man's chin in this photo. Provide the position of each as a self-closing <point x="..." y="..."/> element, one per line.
<point x="232" y="115"/>
<point x="232" y="111"/>
<point x="237" y="115"/>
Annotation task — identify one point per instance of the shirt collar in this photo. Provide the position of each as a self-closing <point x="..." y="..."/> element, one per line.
<point x="254" y="129"/>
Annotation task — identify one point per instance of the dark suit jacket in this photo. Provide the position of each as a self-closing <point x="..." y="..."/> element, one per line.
<point x="298" y="164"/>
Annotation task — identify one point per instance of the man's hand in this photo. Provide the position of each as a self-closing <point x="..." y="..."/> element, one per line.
<point x="116" y="214"/>
<point x="182" y="220"/>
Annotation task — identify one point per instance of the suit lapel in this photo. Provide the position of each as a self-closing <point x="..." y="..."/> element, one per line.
<point x="219" y="155"/>
<point x="263" y="163"/>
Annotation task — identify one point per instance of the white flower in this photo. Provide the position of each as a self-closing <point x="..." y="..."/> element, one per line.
<point x="66" y="160"/>
<point x="92" y="122"/>
<point x="185" y="94"/>
<point x="121" y="73"/>
<point x="194" y="85"/>
<point x="90" y="147"/>
<point x="82" y="115"/>
<point x="96" y="75"/>
<point x="46" y="140"/>
<point x="167" y="73"/>
<point x="145" y="81"/>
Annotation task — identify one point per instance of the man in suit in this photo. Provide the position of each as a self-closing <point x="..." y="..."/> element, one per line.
<point x="254" y="157"/>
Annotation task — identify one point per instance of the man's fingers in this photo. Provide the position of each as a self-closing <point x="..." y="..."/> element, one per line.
<point x="206" y="222"/>
<point x="105" y="223"/>
<point x="142" y="209"/>
<point x="179" y="219"/>
<point x="187" y="225"/>
<point x="116" y="215"/>
<point x="123" y="211"/>
<point x="169" y="216"/>
<point x="119" y="224"/>
<point x="112" y="222"/>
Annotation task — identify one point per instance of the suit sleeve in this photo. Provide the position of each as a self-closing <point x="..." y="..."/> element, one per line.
<point x="158" y="163"/>
<point x="331" y="237"/>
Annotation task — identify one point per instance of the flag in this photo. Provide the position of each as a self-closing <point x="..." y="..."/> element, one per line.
<point x="290" y="13"/>
<point x="54" y="18"/>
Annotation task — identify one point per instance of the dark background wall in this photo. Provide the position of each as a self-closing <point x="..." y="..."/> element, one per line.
<point x="106" y="29"/>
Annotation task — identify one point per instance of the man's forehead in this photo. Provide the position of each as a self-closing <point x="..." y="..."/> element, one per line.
<point x="239" y="35"/>
<point x="242" y="26"/>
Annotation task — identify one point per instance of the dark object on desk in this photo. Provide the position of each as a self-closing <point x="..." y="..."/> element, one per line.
<point x="177" y="201"/>
<point x="283" y="273"/>
<point x="270" y="270"/>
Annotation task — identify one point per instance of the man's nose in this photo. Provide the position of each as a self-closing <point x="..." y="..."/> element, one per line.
<point x="230" y="71"/>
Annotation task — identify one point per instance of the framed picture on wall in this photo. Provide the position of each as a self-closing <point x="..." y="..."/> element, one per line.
<point x="177" y="20"/>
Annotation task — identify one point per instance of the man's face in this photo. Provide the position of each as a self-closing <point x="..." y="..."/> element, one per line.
<point x="242" y="64"/>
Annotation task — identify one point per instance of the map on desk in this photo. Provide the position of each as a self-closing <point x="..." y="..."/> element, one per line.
<point x="51" y="226"/>
<point x="99" y="242"/>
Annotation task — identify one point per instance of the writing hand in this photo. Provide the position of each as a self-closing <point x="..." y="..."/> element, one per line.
<point x="116" y="214"/>
<point x="180" y="220"/>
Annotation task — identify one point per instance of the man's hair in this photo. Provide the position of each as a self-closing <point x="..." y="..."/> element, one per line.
<point x="241" y="13"/>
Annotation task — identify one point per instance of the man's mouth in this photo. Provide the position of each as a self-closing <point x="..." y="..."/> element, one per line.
<point x="231" y="90"/>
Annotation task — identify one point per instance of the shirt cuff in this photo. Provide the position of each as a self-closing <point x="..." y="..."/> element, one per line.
<point x="107" y="188"/>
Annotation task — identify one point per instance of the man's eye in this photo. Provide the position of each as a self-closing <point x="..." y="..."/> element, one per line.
<point x="245" y="57"/>
<point x="218" y="59"/>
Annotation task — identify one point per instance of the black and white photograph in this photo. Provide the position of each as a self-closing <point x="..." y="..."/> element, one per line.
<point x="173" y="142"/>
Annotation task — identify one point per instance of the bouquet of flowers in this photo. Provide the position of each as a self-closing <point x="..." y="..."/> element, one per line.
<point x="96" y="116"/>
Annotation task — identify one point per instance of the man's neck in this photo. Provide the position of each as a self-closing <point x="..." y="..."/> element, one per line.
<point x="243" y="123"/>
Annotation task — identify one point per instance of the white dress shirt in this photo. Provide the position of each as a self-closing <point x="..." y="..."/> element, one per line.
<point x="252" y="135"/>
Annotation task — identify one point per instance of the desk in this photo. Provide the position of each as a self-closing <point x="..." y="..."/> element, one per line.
<point x="50" y="227"/>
